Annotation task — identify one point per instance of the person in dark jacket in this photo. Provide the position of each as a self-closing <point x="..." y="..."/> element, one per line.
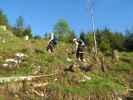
<point x="79" y="49"/>
<point x="52" y="43"/>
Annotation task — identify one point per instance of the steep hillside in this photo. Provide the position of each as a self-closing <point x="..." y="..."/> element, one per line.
<point x="81" y="84"/>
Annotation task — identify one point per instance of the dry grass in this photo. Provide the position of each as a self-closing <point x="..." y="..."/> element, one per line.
<point x="103" y="86"/>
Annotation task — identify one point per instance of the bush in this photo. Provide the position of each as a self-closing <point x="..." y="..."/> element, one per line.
<point x="105" y="45"/>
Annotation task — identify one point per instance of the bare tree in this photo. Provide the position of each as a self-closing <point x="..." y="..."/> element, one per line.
<point x="90" y="4"/>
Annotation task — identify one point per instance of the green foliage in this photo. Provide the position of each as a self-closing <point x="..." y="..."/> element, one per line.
<point x="3" y="18"/>
<point x="20" y="22"/>
<point x="104" y="45"/>
<point x="108" y="40"/>
<point x="128" y="43"/>
<point x="97" y="86"/>
<point x="100" y="85"/>
<point x="46" y="36"/>
<point x="18" y="32"/>
<point x="123" y="66"/>
<point x="104" y="39"/>
<point x="67" y="84"/>
<point x="22" y="32"/>
<point x="62" y="30"/>
<point x="70" y="36"/>
<point x="37" y="37"/>
<point x="28" y="32"/>
<point x="90" y="40"/>
<point x="117" y="41"/>
<point x="83" y="36"/>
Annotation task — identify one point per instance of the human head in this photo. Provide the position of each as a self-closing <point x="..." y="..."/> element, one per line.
<point x="74" y="40"/>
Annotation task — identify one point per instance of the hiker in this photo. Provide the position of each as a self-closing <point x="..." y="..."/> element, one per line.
<point x="52" y="42"/>
<point x="79" y="49"/>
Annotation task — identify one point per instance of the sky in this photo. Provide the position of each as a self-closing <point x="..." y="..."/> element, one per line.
<point x="42" y="15"/>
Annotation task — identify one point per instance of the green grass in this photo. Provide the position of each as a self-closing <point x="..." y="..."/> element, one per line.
<point x="95" y="87"/>
<point x="1" y="97"/>
<point x="102" y="84"/>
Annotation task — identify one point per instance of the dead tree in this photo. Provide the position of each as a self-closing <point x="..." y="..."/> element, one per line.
<point x="91" y="10"/>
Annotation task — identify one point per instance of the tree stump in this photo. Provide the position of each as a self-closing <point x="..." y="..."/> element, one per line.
<point x="115" y="56"/>
<point x="102" y="62"/>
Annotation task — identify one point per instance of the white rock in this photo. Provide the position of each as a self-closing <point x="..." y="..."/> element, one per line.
<point x="26" y="37"/>
<point x="5" y="65"/>
<point x="29" y="78"/>
<point x="86" y="77"/>
<point x="55" y="79"/>
<point x="119" y="98"/>
<point x="12" y="61"/>
<point x="83" y="80"/>
<point x="42" y="94"/>
<point x="69" y="60"/>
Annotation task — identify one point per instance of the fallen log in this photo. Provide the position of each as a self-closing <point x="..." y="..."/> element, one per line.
<point x="22" y="78"/>
<point x="130" y="89"/>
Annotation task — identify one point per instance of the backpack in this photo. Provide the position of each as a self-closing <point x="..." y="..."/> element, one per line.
<point x="81" y="42"/>
<point x="55" y="40"/>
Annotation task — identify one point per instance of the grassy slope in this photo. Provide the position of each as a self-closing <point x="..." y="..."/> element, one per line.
<point x="101" y="86"/>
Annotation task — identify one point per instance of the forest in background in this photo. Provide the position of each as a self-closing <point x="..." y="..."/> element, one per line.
<point x="106" y="39"/>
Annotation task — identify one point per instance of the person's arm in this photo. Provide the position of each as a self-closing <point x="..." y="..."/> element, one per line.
<point x="52" y="36"/>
